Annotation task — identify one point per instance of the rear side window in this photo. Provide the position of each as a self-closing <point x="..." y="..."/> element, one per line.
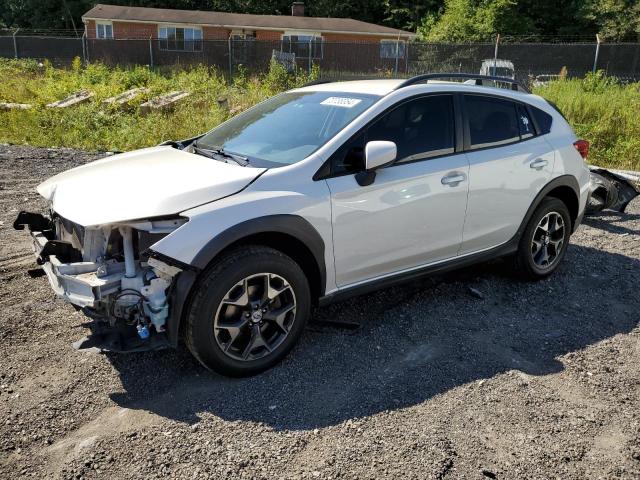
<point x="421" y="128"/>
<point x="524" y="122"/>
<point x="543" y="119"/>
<point x="492" y="122"/>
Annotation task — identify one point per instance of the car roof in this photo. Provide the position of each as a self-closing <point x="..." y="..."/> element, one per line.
<point x="373" y="87"/>
<point x="385" y="86"/>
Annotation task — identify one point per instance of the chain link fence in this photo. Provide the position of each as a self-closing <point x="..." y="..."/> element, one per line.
<point x="527" y="61"/>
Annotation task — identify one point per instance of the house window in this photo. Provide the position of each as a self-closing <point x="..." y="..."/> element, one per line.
<point x="392" y="48"/>
<point x="104" y="30"/>
<point x="242" y="45"/>
<point x="302" y="44"/>
<point x="181" y="39"/>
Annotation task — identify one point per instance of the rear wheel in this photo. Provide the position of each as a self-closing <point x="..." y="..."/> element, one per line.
<point x="248" y="311"/>
<point x="544" y="242"/>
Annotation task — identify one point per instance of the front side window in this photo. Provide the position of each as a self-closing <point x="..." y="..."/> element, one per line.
<point x="422" y="128"/>
<point x="288" y="127"/>
<point x="391" y="49"/>
<point x="183" y="39"/>
<point x="492" y="121"/>
<point x="303" y="45"/>
<point x="104" y="30"/>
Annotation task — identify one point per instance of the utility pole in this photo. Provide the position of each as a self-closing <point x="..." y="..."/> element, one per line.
<point x="495" y="56"/>
<point x="397" y="53"/>
<point x="15" y="43"/>
<point x="595" y="60"/>
<point x="73" y="23"/>
<point x="151" y="52"/>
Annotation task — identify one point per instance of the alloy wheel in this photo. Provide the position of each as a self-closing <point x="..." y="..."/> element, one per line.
<point x="255" y="316"/>
<point x="548" y="240"/>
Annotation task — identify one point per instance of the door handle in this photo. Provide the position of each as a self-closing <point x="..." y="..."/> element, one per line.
<point x="538" y="164"/>
<point x="453" y="180"/>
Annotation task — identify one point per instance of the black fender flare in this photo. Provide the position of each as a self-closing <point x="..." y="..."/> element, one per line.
<point x="561" y="181"/>
<point x="292" y="225"/>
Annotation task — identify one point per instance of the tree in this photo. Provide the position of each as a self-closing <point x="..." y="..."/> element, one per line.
<point x="617" y="20"/>
<point x="408" y="15"/>
<point x="474" y="20"/>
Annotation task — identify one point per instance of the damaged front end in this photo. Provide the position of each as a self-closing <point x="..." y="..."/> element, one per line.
<point x="111" y="274"/>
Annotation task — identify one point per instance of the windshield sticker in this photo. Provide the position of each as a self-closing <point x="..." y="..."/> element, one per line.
<point x="341" y="102"/>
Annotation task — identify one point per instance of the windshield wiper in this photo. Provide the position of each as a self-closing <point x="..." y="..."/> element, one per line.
<point x="213" y="152"/>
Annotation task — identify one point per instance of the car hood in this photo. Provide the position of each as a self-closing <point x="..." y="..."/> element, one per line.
<point x="142" y="184"/>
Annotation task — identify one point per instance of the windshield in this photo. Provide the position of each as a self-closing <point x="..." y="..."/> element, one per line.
<point x="288" y="127"/>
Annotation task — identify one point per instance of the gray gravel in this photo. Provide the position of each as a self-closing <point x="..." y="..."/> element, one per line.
<point x="468" y="375"/>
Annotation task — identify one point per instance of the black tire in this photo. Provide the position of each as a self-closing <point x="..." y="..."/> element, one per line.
<point x="525" y="259"/>
<point x="203" y="340"/>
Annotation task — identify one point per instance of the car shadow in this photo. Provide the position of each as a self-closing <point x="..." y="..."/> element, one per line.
<point x="416" y="341"/>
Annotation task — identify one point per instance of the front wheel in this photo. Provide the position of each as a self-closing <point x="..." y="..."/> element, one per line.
<point x="545" y="240"/>
<point x="248" y="311"/>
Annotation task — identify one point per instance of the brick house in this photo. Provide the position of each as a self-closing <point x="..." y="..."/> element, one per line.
<point x="191" y="36"/>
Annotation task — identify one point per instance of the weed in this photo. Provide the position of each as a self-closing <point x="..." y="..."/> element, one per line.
<point x="601" y="109"/>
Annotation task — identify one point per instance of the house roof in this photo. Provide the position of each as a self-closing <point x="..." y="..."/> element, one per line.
<point x="239" y="20"/>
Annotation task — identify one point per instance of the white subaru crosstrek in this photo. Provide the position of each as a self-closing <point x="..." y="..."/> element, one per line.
<point x="228" y="239"/>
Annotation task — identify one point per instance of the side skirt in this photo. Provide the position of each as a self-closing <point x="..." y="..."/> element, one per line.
<point x="376" y="284"/>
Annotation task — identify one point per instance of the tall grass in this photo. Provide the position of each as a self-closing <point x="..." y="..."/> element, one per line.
<point x="94" y="126"/>
<point x="603" y="111"/>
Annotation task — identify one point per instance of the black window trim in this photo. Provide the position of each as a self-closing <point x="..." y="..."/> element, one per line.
<point x="324" y="172"/>
<point x="461" y="129"/>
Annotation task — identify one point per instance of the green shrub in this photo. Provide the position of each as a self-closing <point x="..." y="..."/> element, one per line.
<point x="93" y="126"/>
<point x="601" y="109"/>
<point x="604" y="111"/>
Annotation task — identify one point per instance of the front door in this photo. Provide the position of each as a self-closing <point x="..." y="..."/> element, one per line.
<point x="413" y="213"/>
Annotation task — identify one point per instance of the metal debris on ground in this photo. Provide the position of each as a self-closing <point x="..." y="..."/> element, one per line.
<point x="73" y="99"/>
<point x="612" y="189"/>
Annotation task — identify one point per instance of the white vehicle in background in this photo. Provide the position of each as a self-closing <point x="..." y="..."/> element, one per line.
<point x="320" y="193"/>
<point x="495" y="67"/>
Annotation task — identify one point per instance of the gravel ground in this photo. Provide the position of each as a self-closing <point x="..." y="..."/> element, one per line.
<point x="468" y="375"/>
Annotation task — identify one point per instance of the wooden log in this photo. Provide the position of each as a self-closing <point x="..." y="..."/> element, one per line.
<point x="73" y="99"/>
<point x="163" y="102"/>
<point x="125" y="97"/>
<point x="14" y="106"/>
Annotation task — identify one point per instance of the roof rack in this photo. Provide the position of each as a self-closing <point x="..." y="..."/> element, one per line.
<point x="515" y="85"/>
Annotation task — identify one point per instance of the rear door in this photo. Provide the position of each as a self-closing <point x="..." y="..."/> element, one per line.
<point x="508" y="165"/>
<point x="413" y="213"/>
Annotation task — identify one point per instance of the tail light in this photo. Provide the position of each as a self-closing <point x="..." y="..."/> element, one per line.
<point x="583" y="148"/>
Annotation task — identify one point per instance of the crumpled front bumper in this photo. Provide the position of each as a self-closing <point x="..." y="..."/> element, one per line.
<point x="76" y="282"/>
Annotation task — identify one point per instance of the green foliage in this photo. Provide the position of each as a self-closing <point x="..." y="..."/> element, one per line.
<point x="436" y="20"/>
<point x="94" y="126"/>
<point x="474" y="20"/>
<point x="617" y="19"/>
<point x="600" y="108"/>
<point x="603" y="111"/>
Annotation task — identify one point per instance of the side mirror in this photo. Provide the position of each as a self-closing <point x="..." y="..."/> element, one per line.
<point x="377" y="154"/>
